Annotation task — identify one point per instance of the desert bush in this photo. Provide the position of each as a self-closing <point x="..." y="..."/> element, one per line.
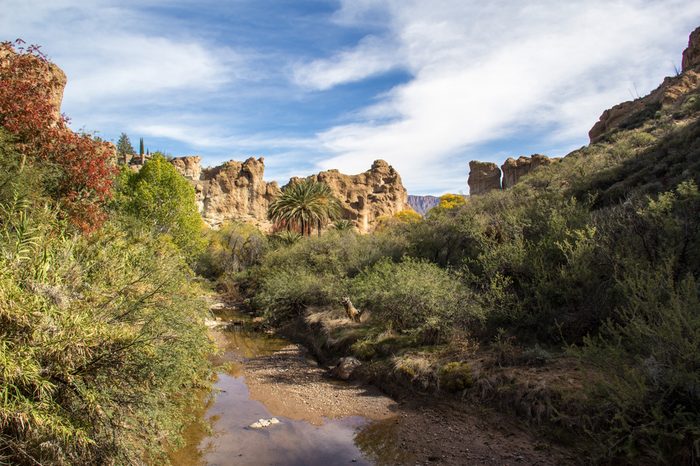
<point x="340" y="253"/>
<point x="647" y="403"/>
<point x="285" y="293"/>
<point x="99" y="337"/>
<point x="231" y="249"/>
<point x="415" y="296"/>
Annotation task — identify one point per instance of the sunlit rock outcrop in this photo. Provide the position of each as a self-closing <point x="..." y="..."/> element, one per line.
<point x="514" y="169"/>
<point x="366" y="197"/>
<point x="483" y="177"/>
<point x="231" y="191"/>
<point x="672" y="93"/>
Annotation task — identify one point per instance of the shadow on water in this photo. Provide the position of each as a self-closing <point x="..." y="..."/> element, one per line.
<point x="220" y="434"/>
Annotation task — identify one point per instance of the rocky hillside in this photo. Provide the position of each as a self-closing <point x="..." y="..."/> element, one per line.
<point x="669" y="96"/>
<point x="422" y="204"/>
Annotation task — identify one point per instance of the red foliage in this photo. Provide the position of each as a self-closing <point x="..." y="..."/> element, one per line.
<point x="28" y="110"/>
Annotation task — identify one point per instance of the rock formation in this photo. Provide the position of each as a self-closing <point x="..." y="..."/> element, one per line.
<point x="514" y="169"/>
<point x="232" y="191"/>
<point x="189" y="166"/>
<point x="672" y="93"/>
<point x="366" y="197"/>
<point x="483" y="177"/>
<point x="51" y="77"/>
<point x="422" y="204"/>
<point x="691" y="55"/>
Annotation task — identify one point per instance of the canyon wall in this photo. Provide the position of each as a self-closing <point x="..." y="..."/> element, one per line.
<point x="422" y="204"/>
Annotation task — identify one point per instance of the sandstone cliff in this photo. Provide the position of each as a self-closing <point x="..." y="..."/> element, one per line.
<point x="486" y="176"/>
<point x="672" y="93"/>
<point x="514" y="169"/>
<point x="483" y="177"/>
<point x="232" y="191"/>
<point x="366" y="197"/>
<point x="189" y="166"/>
<point x="237" y="191"/>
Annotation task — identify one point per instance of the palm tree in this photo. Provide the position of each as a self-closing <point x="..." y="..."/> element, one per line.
<point x="304" y="204"/>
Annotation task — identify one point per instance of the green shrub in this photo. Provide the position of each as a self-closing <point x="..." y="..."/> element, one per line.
<point x="163" y="200"/>
<point x="101" y="336"/>
<point x="231" y="249"/>
<point x="98" y="339"/>
<point x="285" y="293"/>
<point x="648" y="402"/>
<point x="415" y="296"/>
<point x="455" y="376"/>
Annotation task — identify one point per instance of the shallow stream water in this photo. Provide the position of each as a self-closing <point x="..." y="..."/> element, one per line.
<point x="221" y="435"/>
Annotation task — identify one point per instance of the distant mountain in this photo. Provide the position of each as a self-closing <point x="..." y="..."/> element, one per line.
<point x="422" y="204"/>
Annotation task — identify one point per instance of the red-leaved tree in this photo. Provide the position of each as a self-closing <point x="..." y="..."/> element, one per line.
<point x="30" y="90"/>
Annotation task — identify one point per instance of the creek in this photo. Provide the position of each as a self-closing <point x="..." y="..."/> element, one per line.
<point x="261" y="376"/>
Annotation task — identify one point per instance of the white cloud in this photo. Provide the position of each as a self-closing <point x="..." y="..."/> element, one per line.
<point x="372" y="56"/>
<point x="484" y="72"/>
<point x="117" y="55"/>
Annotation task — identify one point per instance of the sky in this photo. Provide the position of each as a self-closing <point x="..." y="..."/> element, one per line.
<point x="313" y="85"/>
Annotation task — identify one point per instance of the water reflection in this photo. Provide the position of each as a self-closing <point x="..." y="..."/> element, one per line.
<point x="220" y="435"/>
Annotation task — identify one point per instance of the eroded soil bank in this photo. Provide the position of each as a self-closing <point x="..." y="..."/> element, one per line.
<point x="329" y="422"/>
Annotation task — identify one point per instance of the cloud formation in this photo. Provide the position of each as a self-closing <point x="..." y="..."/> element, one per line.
<point x="484" y="72"/>
<point x="427" y="86"/>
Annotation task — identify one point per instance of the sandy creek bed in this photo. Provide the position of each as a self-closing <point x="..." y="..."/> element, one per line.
<point x="327" y="422"/>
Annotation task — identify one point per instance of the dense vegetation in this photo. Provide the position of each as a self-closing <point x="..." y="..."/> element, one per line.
<point x="101" y="328"/>
<point x="594" y="259"/>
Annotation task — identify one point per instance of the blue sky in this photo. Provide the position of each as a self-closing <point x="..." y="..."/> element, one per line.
<point x="312" y="85"/>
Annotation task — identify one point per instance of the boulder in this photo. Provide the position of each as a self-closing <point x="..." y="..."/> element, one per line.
<point x="345" y="367"/>
<point x="483" y="177"/>
<point x="514" y="169"/>
<point x="262" y="423"/>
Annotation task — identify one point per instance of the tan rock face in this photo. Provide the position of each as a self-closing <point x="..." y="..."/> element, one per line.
<point x="691" y="55"/>
<point x="232" y="191"/>
<point x="483" y="177"/>
<point x="189" y="166"/>
<point x="514" y="169"/>
<point x="237" y="191"/>
<point x="366" y="197"/>
<point x="670" y="94"/>
<point x="51" y="77"/>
